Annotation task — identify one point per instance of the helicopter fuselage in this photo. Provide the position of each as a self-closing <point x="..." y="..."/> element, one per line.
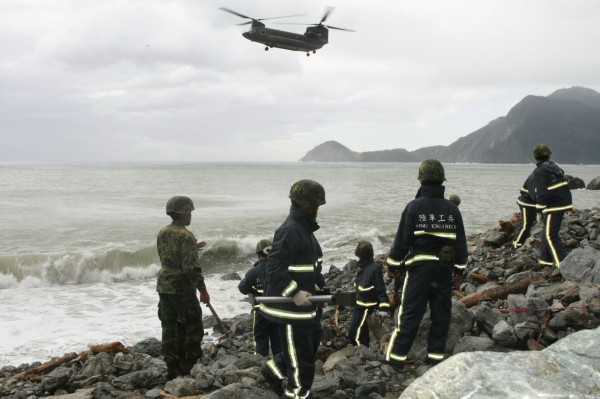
<point x="309" y="41"/>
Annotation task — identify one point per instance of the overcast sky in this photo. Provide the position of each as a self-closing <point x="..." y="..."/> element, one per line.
<point x="167" y="80"/>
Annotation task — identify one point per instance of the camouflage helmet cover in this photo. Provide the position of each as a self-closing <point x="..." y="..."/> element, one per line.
<point x="264" y="246"/>
<point x="307" y="193"/>
<point x="179" y="204"/>
<point x="364" y="249"/>
<point x="455" y="198"/>
<point x="541" y="151"/>
<point x="431" y="170"/>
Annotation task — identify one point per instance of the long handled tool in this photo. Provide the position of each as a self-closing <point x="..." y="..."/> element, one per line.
<point x="337" y="298"/>
<point x="220" y="324"/>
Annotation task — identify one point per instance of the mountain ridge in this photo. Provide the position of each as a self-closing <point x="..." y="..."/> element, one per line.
<point x="568" y="121"/>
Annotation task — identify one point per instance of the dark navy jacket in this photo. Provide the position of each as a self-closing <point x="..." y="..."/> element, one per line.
<point x="428" y="223"/>
<point x="527" y="197"/>
<point x="370" y="288"/>
<point x="552" y="193"/>
<point x="254" y="280"/>
<point x="291" y="267"/>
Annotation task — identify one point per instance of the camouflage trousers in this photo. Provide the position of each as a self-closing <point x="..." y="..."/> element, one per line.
<point x="182" y="331"/>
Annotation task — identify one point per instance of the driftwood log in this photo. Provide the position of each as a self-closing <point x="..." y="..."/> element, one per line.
<point x="500" y="292"/>
<point x="33" y="374"/>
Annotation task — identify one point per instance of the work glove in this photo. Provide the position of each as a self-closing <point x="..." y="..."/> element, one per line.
<point x="301" y="298"/>
<point x="200" y="245"/>
<point x="383" y="314"/>
<point x="204" y="297"/>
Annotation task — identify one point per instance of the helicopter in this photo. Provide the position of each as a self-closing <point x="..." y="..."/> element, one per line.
<point x="315" y="37"/>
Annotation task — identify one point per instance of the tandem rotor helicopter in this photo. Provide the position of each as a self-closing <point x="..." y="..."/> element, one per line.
<point x="315" y="37"/>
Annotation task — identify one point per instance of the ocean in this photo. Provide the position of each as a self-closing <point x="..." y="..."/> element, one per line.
<point x="78" y="259"/>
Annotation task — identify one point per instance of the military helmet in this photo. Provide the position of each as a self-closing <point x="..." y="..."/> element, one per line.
<point x="541" y="151"/>
<point x="264" y="246"/>
<point x="307" y="193"/>
<point x="431" y="170"/>
<point x="455" y="198"/>
<point x="364" y="249"/>
<point x="179" y="204"/>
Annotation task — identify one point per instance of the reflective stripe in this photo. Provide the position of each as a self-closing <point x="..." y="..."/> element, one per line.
<point x="558" y="185"/>
<point x="360" y="325"/>
<point x="539" y="206"/>
<point x="273" y="366"/>
<point x="293" y="357"/>
<point x="525" y="204"/>
<point x="549" y="241"/>
<point x="436" y="356"/>
<point x="418" y="258"/>
<point x="289" y="289"/>
<point x="301" y="268"/>
<point x="361" y="288"/>
<point x="366" y="304"/>
<point x="389" y="355"/>
<point x="287" y="314"/>
<point x="451" y="236"/>
<point x="460" y="266"/>
<point x="384" y="305"/>
<point x="320" y="260"/>
<point x="558" y="209"/>
<point x="393" y="262"/>
<point x="546" y="263"/>
<point x="524" y="190"/>
<point x="398" y="358"/>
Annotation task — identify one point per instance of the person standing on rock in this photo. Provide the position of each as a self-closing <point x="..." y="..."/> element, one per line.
<point x="292" y="274"/>
<point x="370" y="294"/>
<point x="526" y="202"/>
<point x="552" y="198"/>
<point x="431" y="245"/>
<point x="179" y="277"/>
<point x="264" y="330"/>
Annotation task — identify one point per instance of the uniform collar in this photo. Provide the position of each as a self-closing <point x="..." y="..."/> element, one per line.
<point x="433" y="190"/>
<point x="308" y="222"/>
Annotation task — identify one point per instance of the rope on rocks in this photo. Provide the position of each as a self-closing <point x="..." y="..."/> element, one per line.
<point x="519" y="310"/>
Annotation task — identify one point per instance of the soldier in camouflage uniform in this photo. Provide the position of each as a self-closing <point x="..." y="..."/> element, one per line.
<point x="179" y="277"/>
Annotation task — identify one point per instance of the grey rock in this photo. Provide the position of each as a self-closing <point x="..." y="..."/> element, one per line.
<point x="231" y="277"/>
<point x="97" y="365"/>
<point x="149" y="346"/>
<point x="57" y="379"/>
<point x="594" y="184"/>
<point x="526" y="330"/>
<point x="473" y="344"/>
<point x="582" y="265"/>
<point x="153" y="374"/>
<point x="570" y="368"/>
<point x="504" y="335"/>
<point x="365" y="391"/>
<point x="182" y="386"/>
<point x="237" y="391"/>
<point x="327" y="386"/>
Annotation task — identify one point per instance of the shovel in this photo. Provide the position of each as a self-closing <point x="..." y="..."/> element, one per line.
<point x="222" y="329"/>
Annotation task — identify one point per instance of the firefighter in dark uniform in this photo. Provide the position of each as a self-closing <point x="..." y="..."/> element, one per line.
<point x="553" y="199"/>
<point x="291" y="273"/>
<point x="526" y="202"/>
<point x="179" y="277"/>
<point x="431" y="244"/>
<point x="264" y="330"/>
<point x="370" y="294"/>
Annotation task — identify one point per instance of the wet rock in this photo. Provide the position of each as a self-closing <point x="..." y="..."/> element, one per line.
<point x="231" y="277"/>
<point x="569" y="368"/>
<point x="150" y="346"/>
<point x="594" y="184"/>
<point x="504" y="334"/>
<point x="575" y="183"/>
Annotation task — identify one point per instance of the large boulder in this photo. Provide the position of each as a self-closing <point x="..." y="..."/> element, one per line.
<point x="594" y="184"/>
<point x="582" y="265"/>
<point x="570" y="368"/>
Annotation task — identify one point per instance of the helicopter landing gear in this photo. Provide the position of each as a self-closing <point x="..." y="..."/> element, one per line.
<point x="308" y="54"/>
<point x="267" y="48"/>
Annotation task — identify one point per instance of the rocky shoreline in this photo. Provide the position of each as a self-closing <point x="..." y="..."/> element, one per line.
<point x="539" y="311"/>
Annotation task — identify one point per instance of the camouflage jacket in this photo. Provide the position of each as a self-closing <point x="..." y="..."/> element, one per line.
<point x="180" y="271"/>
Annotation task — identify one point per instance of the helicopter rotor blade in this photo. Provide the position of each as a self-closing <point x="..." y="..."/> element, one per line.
<point x="286" y="16"/>
<point x="245" y="23"/>
<point x="326" y="15"/>
<point x="235" y="13"/>
<point x="333" y="27"/>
